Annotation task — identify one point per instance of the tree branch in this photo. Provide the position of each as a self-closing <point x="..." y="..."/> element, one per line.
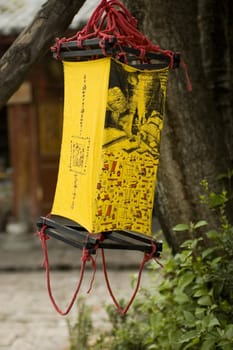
<point x="52" y="19"/>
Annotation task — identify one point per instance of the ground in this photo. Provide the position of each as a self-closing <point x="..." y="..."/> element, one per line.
<point x="28" y="320"/>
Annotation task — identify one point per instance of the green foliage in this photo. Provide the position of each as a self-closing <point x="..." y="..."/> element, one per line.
<point x="127" y="331"/>
<point x="80" y="331"/>
<point x="192" y="307"/>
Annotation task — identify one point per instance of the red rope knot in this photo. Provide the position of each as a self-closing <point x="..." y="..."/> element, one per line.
<point x="57" y="47"/>
<point x="86" y="255"/>
<point x="79" y="40"/>
<point x="121" y="55"/>
<point x="101" y="237"/>
<point x="43" y="236"/>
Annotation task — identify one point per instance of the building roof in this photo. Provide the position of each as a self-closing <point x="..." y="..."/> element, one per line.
<point x="15" y="15"/>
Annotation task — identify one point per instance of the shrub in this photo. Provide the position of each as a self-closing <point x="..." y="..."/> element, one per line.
<point x="192" y="306"/>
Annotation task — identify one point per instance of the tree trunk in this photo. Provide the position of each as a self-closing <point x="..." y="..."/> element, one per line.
<point x="197" y="137"/>
<point x="52" y="20"/>
<point x="216" y="38"/>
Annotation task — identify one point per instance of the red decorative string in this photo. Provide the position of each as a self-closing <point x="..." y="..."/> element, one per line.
<point x="147" y="257"/>
<point x="185" y="68"/>
<point x="111" y="19"/>
<point x="85" y="257"/>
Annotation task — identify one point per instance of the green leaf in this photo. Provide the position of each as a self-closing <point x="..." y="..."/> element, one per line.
<point x="189" y="336"/>
<point x="153" y="347"/>
<point x="212" y="234"/>
<point x="200" y="312"/>
<point x="191" y="344"/>
<point x="214" y="262"/>
<point x="208" y="251"/>
<point x="187" y="244"/>
<point x="229" y="331"/>
<point x="200" y="292"/>
<point x="216" y="200"/>
<point x="186" y="279"/>
<point x="213" y="322"/>
<point x="181" y="227"/>
<point x="204" y="300"/>
<point x="225" y="345"/>
<point x="180" y="297"/>
<point x="210" y="321"/>
<point x="191" y="243"/>
<point x="200" y="224"/>
<point x="228" y="175"/>
<point x="208" y="344"/>
<point x="189" y="317"/>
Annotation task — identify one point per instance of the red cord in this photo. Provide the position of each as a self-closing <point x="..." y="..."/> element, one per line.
<point x="112" y="19"/>
<point x="85" y="257"/>
<point x="146" y="258"/>
<point x="109" y="19"/>
<point x="94" y="270"/>
<point x="189" y="84"/>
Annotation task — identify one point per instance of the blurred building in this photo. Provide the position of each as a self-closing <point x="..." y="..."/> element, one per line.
<point x="31" y="124"/>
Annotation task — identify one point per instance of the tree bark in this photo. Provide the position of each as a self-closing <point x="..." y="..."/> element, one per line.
<point x="53" y="18"/>
<point x="215" y="26"/>
<point x="197" y="137"/>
